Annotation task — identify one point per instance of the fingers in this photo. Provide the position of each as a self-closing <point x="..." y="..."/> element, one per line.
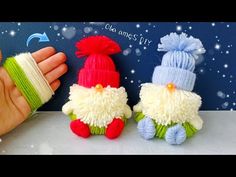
<point x="55" y="85"/>
<point x="52" y="62"/>
<point x="43" y="54"/>
<point x="56" y="73"/>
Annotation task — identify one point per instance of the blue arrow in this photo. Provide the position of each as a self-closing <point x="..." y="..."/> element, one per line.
<point x="42" y="38"/>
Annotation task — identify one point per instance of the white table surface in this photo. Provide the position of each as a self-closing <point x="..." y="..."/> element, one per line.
<point x="49" y="133"/>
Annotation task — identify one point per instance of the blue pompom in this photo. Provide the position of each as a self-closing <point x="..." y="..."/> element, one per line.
<point x="175" y="134"/>
<point x="182" y="51"/>
<point x="175" y="42"/>
<point x="146" y="128"/>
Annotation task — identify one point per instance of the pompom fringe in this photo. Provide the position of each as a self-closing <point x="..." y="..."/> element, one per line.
<point x="96" y="45"/>
<point x="175" y="42"/>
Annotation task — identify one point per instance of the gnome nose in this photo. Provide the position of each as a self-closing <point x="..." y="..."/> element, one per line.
<point x="99" y="88"/>
<point x="171" y="87"/>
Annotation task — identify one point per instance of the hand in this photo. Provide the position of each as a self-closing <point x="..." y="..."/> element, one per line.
<point x="14" y="108"/>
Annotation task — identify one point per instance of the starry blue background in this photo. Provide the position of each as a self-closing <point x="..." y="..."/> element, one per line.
<point x="215" y="71"/>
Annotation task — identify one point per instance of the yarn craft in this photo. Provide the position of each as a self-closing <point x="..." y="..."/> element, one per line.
<point x="97" y="104"/>
<point x="167" y="108"/>
<point x="28" y="78"/>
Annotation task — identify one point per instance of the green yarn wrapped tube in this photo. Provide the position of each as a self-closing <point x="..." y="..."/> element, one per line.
<point x="97" y="130"/>
<point x="161" y="129"/>
<point x="190" y="130"/>
<point x="23" y="83"/>
<point x="94" y="130"/>
<point x="138" y="116"/>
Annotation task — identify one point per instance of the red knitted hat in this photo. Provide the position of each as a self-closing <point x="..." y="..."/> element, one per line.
<point x="99" y="67"/>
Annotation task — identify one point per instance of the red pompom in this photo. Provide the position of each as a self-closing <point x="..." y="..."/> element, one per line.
<point x="97" y="45"/>
<point x="80" y="128"/>
<point x="115" y="128"/>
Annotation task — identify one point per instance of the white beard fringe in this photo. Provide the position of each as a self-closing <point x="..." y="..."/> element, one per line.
<point x="179" y="106"/>
<point x="97" y="108"/>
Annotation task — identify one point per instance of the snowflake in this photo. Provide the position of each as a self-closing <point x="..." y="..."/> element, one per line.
<point x="217" y="46"/>
<point x="138" y="26"/>
<point x="221" y="94"/>
<point x="225" y="65"/>
<point x="190" y="27"/>
<point x="225" y="105"/>
<point x="201" y="70"/>
<point x="213" y="24"/>
<point x="178" y="28"/>
<point x="12" y="33"/>
<point x="131" y="81"/>
<point x="223" y="75"/>
<point x="227" y="52"/>
<point x="55" y="27"/>
<point x="132" y="71"/>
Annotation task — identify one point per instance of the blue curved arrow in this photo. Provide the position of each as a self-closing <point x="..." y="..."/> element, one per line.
<point x="42" y="38"/>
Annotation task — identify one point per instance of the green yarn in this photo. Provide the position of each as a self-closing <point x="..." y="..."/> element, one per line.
<point x="138" y="116"/>
<point x="125" y="120"/>
<point x="97" y="130"/>
<point x="94" y="130"/>
<point x="23" y="84"/>
<point x="161" y="129"/>
<point x="190" y="130"/>
<point x="72" y="116"/>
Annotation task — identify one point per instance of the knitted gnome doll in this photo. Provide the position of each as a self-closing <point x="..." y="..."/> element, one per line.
<point x="167" y="108"/>
<point x="97" y="104"/>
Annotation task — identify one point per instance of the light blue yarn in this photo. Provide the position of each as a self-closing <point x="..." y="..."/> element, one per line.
<point x="146" y="128"/>
<point x="182" y="51"/>
<point x="175" y="42"/>
<point x="175" y="134"/>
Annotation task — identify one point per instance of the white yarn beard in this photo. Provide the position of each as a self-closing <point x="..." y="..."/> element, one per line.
<point x="35" y="76"/>
<point x="97" y="108"/>
<point x="179" y="106"/>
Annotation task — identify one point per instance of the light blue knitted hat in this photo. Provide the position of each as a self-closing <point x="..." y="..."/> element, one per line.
<point x="178" y="63"/>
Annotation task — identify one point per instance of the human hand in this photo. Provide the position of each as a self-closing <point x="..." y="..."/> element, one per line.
<point x="14" y="108"/>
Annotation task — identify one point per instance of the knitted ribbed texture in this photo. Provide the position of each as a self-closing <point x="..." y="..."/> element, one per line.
<point x="178" y="63"/>
<point x="98" y="67"/>
<point x="183" y="79"/>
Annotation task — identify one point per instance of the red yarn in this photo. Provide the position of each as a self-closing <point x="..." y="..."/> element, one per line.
<point x="97" y="45"/>
<point x="98" y="67"/>
<point x="80" y="128"/>
<point x="115" y="128"/>
<point x="91" y="77"/>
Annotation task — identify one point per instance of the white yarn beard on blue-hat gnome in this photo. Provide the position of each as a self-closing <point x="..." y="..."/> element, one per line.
<point x="167" y="108"/>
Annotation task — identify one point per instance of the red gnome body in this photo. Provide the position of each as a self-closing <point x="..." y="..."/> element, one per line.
<point x="97" y="104"/>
